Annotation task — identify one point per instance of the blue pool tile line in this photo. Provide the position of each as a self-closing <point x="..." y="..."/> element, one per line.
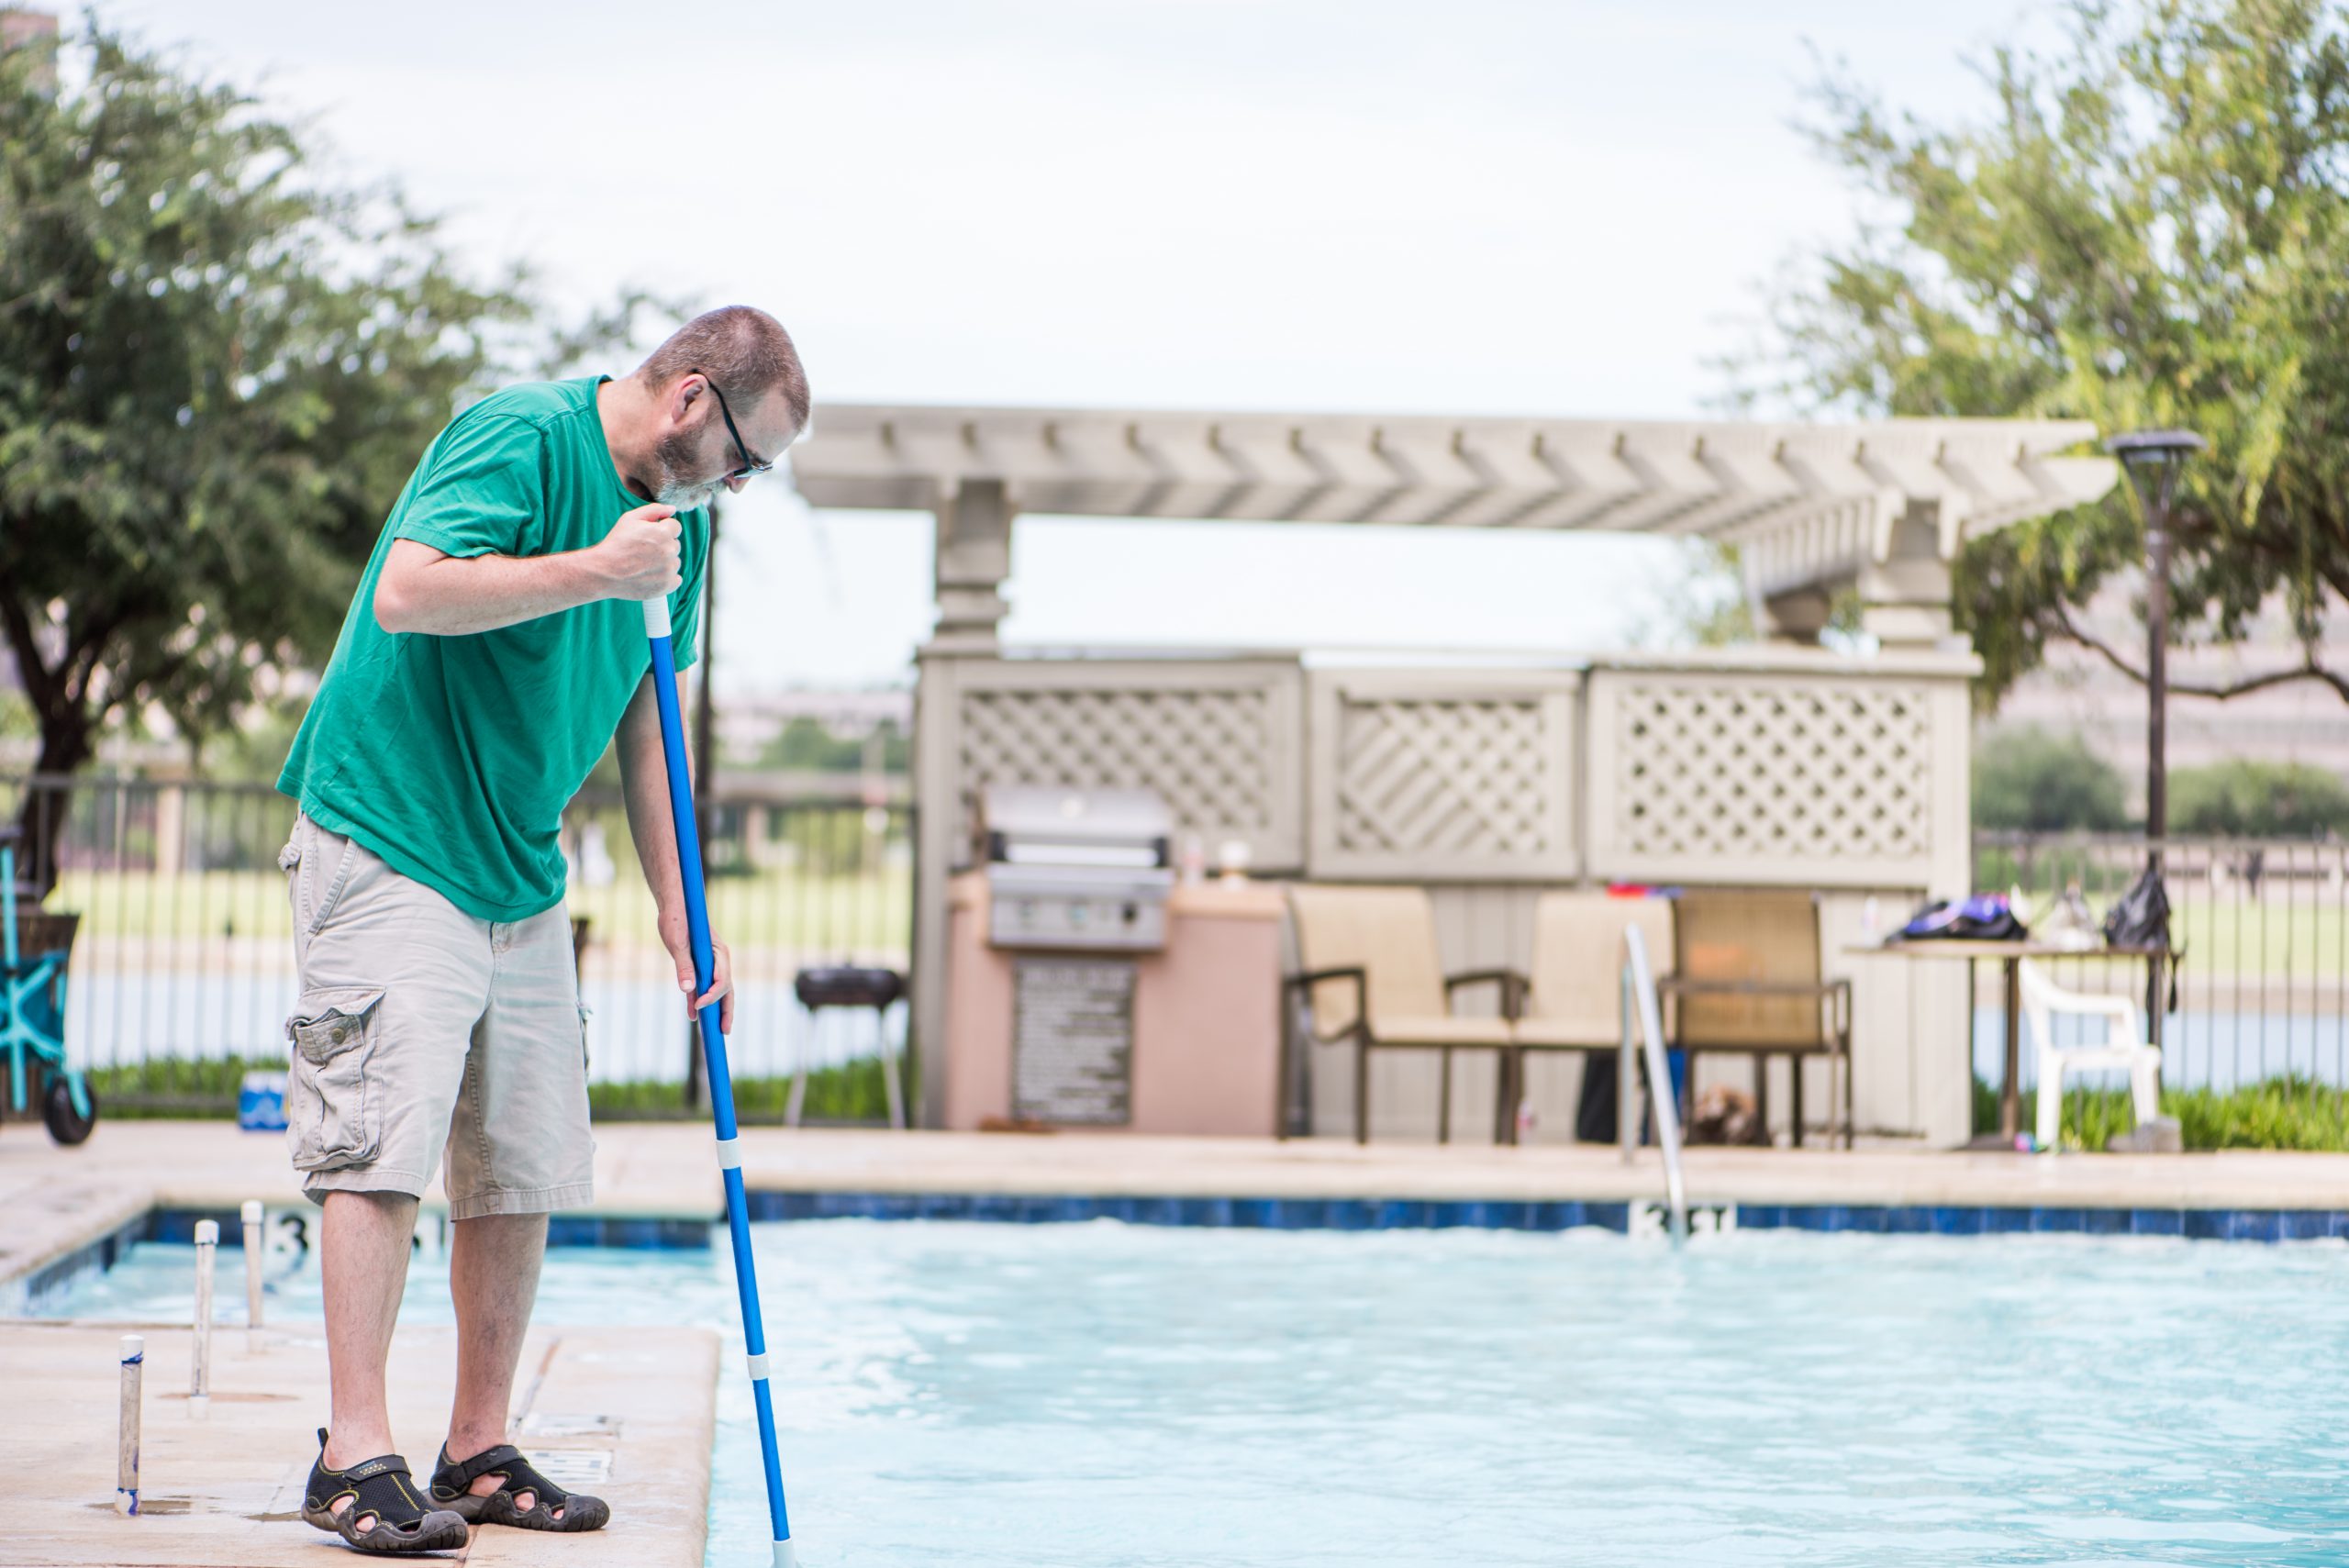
<point x="34" y="1291"/>
<point x="40" y="1288"/>
<point x="1239" y="1213"/>
<point x="2193" y="1224"/>
<point x="1413" y="1214"/>
<point x="663" y="1232"/>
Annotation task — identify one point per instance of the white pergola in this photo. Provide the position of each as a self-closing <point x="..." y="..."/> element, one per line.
<point x="1810" y="507"/>
<point x="1484" y="784"/>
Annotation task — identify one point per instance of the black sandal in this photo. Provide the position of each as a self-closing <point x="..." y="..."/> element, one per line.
<point x="451" y="1483"/>
<point x="378" y="1491"/>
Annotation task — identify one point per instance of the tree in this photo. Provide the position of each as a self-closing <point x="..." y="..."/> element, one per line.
<point x="809" y="745"/>
<point x="2034" y="782"/>
<point x="216" y="375"/>
<point x="2150" y="227"/>
<point x="2243" y="798"/>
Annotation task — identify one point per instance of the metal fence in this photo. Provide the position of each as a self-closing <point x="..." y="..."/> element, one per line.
<point x="185" y="952"/>
<point x="2261" y="932"/>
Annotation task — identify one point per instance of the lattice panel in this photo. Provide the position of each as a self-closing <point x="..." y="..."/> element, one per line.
<point x="1451" y="777"/>
<point x="1212" y="754"/>
<point x="1744" y="771"/>
<point x="1417" y="775"/>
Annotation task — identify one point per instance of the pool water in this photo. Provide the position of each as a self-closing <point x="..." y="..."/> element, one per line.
<point x="1112" y="1396"/>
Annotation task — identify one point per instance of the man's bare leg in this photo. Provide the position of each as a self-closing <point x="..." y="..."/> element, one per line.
<point x="364" y="1240"/>
<point x="493" y="1280"/>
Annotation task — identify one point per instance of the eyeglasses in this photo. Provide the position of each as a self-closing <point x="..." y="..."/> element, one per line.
<point x="751" y="466"/>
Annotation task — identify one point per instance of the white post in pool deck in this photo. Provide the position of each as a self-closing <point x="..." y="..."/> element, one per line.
<point x="125" y="1464"/>
<point x="251" y="1215"/>
<point x="199" y="1394"/>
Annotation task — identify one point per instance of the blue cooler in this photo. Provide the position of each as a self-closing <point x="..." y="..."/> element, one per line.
<point x="261" y="1102"/>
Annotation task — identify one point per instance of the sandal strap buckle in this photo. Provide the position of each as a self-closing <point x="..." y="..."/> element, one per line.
<point x="389" y="1464"/>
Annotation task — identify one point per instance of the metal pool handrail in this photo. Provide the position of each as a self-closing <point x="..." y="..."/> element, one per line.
<point x="1639" y="1000"/>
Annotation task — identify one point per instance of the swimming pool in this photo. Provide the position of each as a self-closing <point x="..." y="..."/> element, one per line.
<point x="1109" y="1397"/>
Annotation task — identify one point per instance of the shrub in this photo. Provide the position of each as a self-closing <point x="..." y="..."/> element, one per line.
<point x="2259" y="800"/>
<point x="2031" y="781"/>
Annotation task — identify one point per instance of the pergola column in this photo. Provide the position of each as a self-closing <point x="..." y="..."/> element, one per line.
<point x="1905" y="594"/>
<point x="974" y="559"/>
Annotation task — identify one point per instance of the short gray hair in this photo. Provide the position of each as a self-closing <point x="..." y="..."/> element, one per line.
<point x="745" y="352"/>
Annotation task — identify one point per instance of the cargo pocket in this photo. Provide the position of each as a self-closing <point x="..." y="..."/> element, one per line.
<point x="331" y="1117"/>
<point x="585" y="1012"/>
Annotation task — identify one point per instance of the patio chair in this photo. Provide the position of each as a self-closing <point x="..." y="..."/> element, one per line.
<point x="1749" y="983"/>
<point x="2125" y="1046"/>
<point x="1575" y="998"/>
<point x="1372" y="976"/>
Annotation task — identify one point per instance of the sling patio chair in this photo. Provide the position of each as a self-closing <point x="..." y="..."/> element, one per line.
<point x="1372" y="976"/>
<point x="1575" y="997"/>
<point x="1749" y="983"/>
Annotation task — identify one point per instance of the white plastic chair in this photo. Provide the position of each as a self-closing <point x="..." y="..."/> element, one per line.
<point x="2125" y="1046"/>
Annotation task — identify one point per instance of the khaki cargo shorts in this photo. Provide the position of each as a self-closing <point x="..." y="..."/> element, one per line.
<point x="421" y="1026"/>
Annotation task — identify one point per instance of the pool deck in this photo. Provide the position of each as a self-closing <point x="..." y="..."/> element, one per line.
<point x="623" y="1414"/>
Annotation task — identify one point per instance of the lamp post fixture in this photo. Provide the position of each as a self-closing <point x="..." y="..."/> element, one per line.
<point x="2153" y="459"/>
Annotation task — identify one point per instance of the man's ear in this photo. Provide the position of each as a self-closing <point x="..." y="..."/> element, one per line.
<point x="684" y="393"/>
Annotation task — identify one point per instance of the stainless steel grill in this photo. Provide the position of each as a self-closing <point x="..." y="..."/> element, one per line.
<point x="1077" y="868"/>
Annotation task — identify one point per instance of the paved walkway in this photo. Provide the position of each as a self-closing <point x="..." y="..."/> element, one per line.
<point x="621" y="1414"/>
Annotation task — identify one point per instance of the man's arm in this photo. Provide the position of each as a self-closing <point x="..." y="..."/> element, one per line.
<point x="644" y="782"/>
<point x="425" y="590"/>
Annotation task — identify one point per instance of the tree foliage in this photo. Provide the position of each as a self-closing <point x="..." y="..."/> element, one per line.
<point x="2148" y="227"/>
<point x="2245" y="798"/>
<point x="809" y="745"/>
<point x="216" y="371"/>
<point x="2031" y="781"/>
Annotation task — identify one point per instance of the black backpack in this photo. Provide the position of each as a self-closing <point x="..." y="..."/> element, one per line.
<point x="2140" y="917"/>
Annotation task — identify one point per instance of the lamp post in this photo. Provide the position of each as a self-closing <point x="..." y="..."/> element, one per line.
<point x="2153" y="459"/>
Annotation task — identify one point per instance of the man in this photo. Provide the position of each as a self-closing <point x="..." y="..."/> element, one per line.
<point x="495" y="644"/>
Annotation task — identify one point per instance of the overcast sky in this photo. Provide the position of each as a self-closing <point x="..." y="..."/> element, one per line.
<point x="1559" y="207"/>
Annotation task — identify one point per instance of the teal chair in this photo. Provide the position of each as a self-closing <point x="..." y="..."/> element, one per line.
<point x="32" y="1021"/>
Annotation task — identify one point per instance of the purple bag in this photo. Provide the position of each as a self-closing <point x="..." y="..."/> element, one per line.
<point x="1986" y="916"/>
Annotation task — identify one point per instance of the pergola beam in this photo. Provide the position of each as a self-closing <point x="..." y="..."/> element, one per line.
<point x="1808" y="506"/>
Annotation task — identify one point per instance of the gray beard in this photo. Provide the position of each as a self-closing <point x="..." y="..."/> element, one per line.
<point x="687" y="497"/>
<point x="674" y="458"/>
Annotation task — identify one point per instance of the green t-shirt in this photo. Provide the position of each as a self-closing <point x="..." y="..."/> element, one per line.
<point x="453" y="757"/>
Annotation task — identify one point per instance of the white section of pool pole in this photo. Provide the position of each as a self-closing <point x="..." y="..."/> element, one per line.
<point x="783" y="1556"/>
<point x="199" y="1393"/>
<point x="126" y="1464"/>
<point x="251" y="1215"/>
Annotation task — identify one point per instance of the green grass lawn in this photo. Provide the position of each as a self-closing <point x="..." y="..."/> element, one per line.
<point x="2282" y="936"/>
<point x="851" y="1092"/>
<point x="785" y="908"/>
<point x="2279" y="1113"/>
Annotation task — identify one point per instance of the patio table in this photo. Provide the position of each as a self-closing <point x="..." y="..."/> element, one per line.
<point x="2010" y="955"/>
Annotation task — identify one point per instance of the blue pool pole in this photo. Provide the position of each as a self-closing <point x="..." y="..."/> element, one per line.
<point x="713" y="1051"/>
